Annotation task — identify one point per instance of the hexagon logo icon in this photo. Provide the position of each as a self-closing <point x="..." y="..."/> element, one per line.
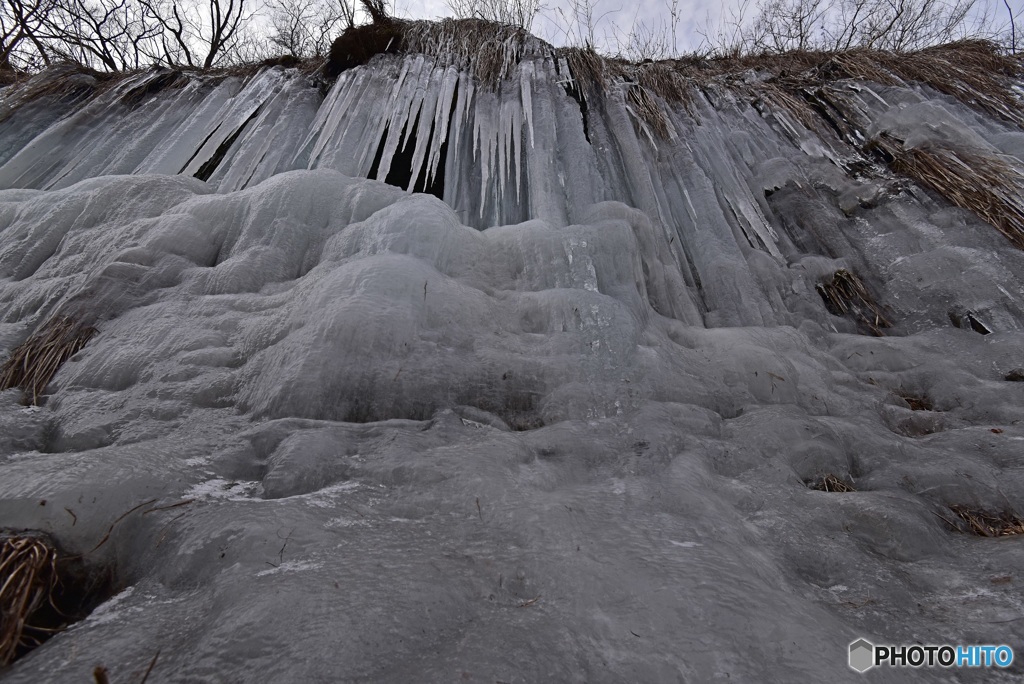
<point x="862" y="655"/>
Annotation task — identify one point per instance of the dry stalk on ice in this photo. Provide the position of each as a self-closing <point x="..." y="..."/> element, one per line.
<point x="28" y="577"/>
<point x="990" y="186"/>
<point x="986" y="524"/>
<point x="846" y="294"/>
<point x="33" y="364"/>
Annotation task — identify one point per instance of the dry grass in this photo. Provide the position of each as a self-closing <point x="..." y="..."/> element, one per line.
<point x="990" y="186"/>
<point x="28" y="578"/>
<point x="975" y="72"/>
<point x="33" y="363"/>
<point x="845" y="294"/>
<point x="832" y="483"/>
<point x="640" y="103"/>
<point x="60" y="83"/>
<point x="986" y="524"/>
<point x="491" y="50"/>
<point x="916" y="402"/>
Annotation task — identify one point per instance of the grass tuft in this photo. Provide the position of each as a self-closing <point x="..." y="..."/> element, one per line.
<point x="33" y="363"/>
<point x="846" y="295"/>
<point x="28" y="579"/>
<point x="831" y="483"/>
<point x="986" y="524"/>
<point x="990" y="186"/>
<point x="916" y="402"/>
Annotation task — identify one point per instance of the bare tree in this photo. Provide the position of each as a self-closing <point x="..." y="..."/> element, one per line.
<point x="114" y="35"/>
<point x="199" y="33"/>
<point x="22" y="25"/>
<point x="305" y="29"/>
<point x="895" y="25"/>
<point x="728" y="36"/>
<point x="1012" y="30"/>
<point x="519" y="13"/>
<point x="788" y="24"/>
<point x="644" y="42"/>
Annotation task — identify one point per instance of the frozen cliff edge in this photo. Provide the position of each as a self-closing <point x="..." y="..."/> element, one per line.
<point x="555" y="427"/>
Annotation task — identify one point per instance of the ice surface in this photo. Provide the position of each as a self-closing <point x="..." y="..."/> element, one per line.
<point x="552" y="426"/>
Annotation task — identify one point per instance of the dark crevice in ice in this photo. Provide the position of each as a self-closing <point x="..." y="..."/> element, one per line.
<point x="200" y="147"/>
<point x="211" y="164"/>
<point x="573" y="90"/>
<point x="401" y="170"/>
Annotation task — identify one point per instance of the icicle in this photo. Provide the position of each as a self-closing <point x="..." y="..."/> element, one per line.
<point x="406" y="98"/>
<point x="426" y="131"/>
<point x="329" y="117"/>
<point x="525" y="85"/>
<point x="502" y="140"/>
<point x="483" y="140"/>
<point x="441" y="116"/>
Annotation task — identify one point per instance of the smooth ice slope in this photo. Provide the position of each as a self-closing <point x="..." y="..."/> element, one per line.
<point x="555" y="427"/>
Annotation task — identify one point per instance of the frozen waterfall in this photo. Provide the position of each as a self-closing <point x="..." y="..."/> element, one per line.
<point x="543" y="406"/>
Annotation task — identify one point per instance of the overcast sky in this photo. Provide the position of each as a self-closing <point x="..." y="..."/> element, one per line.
<point x="619" y="16"/>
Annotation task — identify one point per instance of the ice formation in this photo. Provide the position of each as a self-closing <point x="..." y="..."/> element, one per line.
<point x="554" y="423"/>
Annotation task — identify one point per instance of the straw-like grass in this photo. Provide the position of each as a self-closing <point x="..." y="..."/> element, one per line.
<point x="643" y="106"/>
<point x="28" y="578"/>
<point x="975" y="72"/>
<point x="832" y="483"/>
<point x="846" y="295"/>
<point x="987" y="524"/>
<point x="990" y="186"/>
<point x="33" y="364"/>
<point x="491" y="50"/>
<point x="60" y="83"/>
<point x="916" y="402"/>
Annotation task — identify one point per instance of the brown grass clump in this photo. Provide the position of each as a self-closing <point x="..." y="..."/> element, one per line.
<point x="589" y="70"/>
<point x="61" y="83"/>
<point x="491" y="50"/>
<point x="916" y="402"/>
<point x="34" y="362"/>
<point x="990" y="186"/>
<point x="831" y="483"/>
<point x="358" y="45"/>
<point x="845" y="294"/>
<point x="28" y="578"/>
<point x="643" y="106"/>
<point x="986" y="524"/>
<point x="975" y="72"/>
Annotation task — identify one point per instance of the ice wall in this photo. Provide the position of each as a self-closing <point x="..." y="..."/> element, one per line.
<point x="554" y="424"/>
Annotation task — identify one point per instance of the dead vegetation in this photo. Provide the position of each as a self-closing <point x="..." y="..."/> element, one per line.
<point x="990" y="186"/>
<point x="916" y="402"/>
<point x="640" y="103"/>
<point x="831" y="483"/>
<point x="359" y="44"/>
<point x="846" y="295"/>
<point x="975" y="72"/>
<point x="61" y="83"/>
<point x="984" y="523"/>
<point x="33" y="363"/>
<point x="43" y="590"/>
<point x="490" y="50"/>
<point x="28" y="578"/>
